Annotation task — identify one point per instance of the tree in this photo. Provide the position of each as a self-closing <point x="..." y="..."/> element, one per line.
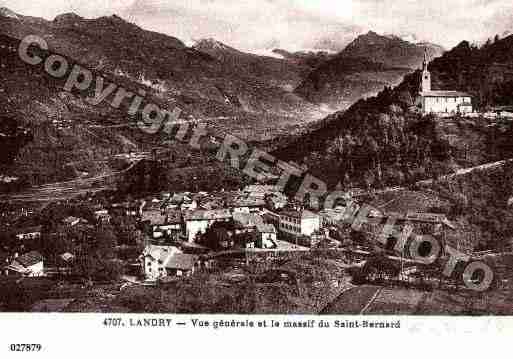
<point x="217" y="237"/>
<point x="369" y="179"/>
<point x="106" y="242"/>
<point x="94" y="267"/>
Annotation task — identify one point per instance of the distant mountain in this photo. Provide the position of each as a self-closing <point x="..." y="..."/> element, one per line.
<point x="239" y="93"/>
<point x="309" y="59"/>
<point x="390" y="50"/>
<point x="335" y="38"/>
<point x="5" y="12"/>
<point x="274" y="71"/>
<point x="187" y="74"/>
<point x="363" y="68"/>
<point x="381" y="142"/>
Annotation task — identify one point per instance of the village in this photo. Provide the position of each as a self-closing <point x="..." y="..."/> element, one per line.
<point x="174" y="235"/>
<point x="179" y="228"/>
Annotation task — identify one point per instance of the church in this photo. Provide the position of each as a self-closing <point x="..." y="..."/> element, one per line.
<point x="432" y="101"/>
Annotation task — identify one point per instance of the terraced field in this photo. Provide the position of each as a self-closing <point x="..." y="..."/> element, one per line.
<point x="396" y="301"/>
<point x="352" y="301"/>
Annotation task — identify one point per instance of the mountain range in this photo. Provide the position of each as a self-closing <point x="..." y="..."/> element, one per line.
<point x="186" y="74"/>
<point x="258" y="98"/>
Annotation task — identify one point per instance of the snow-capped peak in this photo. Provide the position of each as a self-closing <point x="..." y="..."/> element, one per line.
<point x="5" y="12"/>
<point x="211" y="43"/>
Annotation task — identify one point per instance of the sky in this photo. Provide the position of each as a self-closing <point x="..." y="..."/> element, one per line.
<point x="295" y="24"/>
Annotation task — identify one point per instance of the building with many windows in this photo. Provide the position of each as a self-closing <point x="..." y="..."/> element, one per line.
<point x="299" y="223"/>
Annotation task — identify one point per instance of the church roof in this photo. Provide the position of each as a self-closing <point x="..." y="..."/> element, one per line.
<point x="444" y="94"/>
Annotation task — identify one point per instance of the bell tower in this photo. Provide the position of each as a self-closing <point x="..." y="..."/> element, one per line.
<point x="425" y="84"/>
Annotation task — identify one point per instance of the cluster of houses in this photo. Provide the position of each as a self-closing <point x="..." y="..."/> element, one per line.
<point x="180" y="229"/>
<point x="257" y="217"/>
<point x="28" y="265"/>
<point x="31" y="264"/>
<point x="257" y="208"/>
<point x="260" y="214"/>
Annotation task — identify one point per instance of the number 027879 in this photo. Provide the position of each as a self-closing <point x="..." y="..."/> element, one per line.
<point x="25" y="347"/>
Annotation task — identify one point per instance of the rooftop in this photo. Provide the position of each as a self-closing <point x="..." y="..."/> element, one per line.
<point x="174" y="217"/>
<point x="305" y="214"/>
<point x="247" y="220"/>
<point x="182" y="261"/>
<point x="202" y="215"/>
<point x="261" y="189"/>
<point x="67" y="257"/>
<point x="31" y="229"/>
<point x="155" y="217"/>
<point x="161" y="253"/>
<point x="445" y="94"/>
<point x="70" y="219"/>
<point x="266" y="228"/>
<point x="29" y="259"/>
<point x="245" y="202"/>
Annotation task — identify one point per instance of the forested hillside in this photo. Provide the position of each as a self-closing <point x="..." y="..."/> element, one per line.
<point x="383" y="141"/>
<point x="363" y="68"/>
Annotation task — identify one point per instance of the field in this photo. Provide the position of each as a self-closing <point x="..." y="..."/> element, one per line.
<point x="353" y="301"/>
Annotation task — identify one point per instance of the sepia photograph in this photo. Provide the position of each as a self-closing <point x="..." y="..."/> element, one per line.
<point x="324" y="161"/>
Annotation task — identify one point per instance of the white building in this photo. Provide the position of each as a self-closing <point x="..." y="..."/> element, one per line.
<point x="155" y="259"/>
<point x="29" y="233"/>
<point x="332" y="217"/>
<point x="30" y="265"/>
<point x="299" y="223"/>
<point x="102" y="216"/>
<point x="71" y="221"/>
<point x="242" y="204"/>
<point x="431" y="101"/>
<point x="266" y="238"/>
<point x="163" y="261"/>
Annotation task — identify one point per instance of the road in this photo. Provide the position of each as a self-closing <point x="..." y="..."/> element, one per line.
<point x="67" y="189"/>
<point x="460" y="172"/>
<point x="355" y="300"/>
<point x="465" y="171"/>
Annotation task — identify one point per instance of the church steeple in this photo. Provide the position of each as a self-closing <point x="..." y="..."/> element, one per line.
<point x="425" y="84"/>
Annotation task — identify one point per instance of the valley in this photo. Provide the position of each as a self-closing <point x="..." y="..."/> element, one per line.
<point x="154" y="224"/>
